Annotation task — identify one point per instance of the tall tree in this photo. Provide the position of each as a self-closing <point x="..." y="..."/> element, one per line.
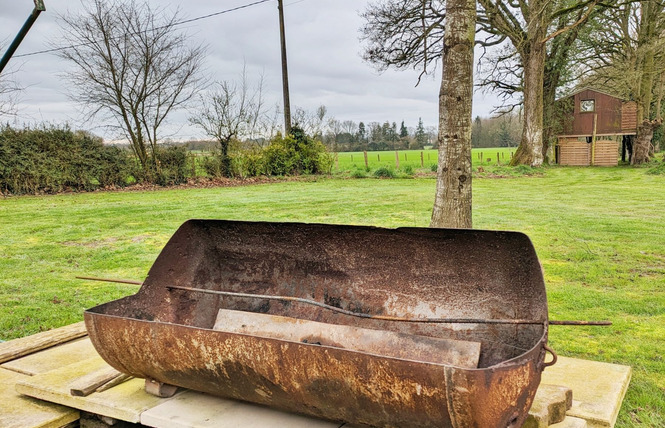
<point x="452" y="201"/>
<point x="420" y="135"/>
<point x="403" y="132"/>
<point x="132" y="66"/>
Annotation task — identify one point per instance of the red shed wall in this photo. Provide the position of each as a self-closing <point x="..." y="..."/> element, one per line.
<point x="607" y="108"/>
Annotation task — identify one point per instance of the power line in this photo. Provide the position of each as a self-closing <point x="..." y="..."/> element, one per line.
<point x="186" y="21"/>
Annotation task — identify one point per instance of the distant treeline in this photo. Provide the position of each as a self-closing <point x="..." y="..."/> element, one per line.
<point x="501" y="131"/>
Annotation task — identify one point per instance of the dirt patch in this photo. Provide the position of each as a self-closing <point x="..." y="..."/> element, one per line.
<point x="90" y="244"/>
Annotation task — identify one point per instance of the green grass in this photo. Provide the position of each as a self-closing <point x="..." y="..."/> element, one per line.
<point x="348" y="161"/>
<point x="598" y="233"/>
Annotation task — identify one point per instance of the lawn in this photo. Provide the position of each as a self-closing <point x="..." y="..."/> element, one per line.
<point x="598" y="233"/>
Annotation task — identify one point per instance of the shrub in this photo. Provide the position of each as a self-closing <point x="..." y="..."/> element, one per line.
<point x="408" y="169"/>
<point x="171" y="165"/>
<point x="247" y="163"/>
<point x="384" y="172"/>
<point x="296" y="154"/>
<point x="434" y="167"/>
<point x="52" y="159"/>
<point x="358" y="173"/>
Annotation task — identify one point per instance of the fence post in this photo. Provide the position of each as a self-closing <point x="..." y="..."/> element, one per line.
<point x="378" y="157"/>
<point x="422" y="160"/>
<point x="193" y="156"/>
<point x="337" y="160"/>
<point x="397" y="159"/>
<point x="366" y="163"/>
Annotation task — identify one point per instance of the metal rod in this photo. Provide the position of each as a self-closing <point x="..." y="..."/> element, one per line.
<point x="553" y="322"/>
<point x="359" y="314"/>
<point x="119" y="281"/>
<point x="39" y="8"/>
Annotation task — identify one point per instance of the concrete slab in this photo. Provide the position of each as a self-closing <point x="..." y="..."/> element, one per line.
<point x="549" y="406"/>
<point x="598" y="388"/>
<point x="18" y="411"/>
<point x="125" y="402"/>
<point x="571" y="422"/>
<point x="53" y="358"/>
<point x="197" y="410"/>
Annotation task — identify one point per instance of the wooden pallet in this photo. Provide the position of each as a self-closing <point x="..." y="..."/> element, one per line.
<point x="36" y="391"/>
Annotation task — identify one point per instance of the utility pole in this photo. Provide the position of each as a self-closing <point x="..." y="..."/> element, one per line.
<point x="285" y="71"/>
<point x="39" y="8"/>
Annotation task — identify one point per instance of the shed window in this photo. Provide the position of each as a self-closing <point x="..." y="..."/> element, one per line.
<point x="587" y="106"/>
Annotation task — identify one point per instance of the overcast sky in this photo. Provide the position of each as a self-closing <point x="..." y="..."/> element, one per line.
<point x="324" y="54"/>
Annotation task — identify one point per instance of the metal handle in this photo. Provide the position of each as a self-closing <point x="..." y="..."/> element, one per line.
<point x="554" y="357"/>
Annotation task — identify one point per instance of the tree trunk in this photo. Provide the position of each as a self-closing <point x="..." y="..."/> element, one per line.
<point x="452" y="203"/>
<point x="642" y="145"/>
<point x="530" y="150"/>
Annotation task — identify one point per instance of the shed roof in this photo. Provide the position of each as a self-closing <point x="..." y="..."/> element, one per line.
<point x="588" y="88"/>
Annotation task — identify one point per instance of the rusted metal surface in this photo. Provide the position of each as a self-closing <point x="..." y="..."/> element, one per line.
<point x="166" y="334"/>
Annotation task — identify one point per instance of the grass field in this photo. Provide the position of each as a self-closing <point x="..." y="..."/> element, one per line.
<point x="356" y="160"/>
<point x="598" y="233"/>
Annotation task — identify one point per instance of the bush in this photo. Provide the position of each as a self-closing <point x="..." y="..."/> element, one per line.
<point x="171" y="165"/>
<point x="51" y="159"/>
<point x="296" y="154"/>
<point x="212" y="165"/>
<point x="657" y="170"/>
<point x="358" y="173"/>
<point x="408" y="169"/>
<point x="247" y="163"/>
<point x="434" y="167"/>
<point x="384" y="172"/>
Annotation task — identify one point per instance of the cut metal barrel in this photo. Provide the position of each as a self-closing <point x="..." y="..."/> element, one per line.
<point x="178" y="336"/>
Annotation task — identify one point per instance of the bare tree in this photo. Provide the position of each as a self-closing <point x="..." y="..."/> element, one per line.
<point x="131" y="65"/>
<point x="229" y="112"/>
<point x="9" y="91"/>
<point x="452" y="202"/>
<point x="312" y="122"/>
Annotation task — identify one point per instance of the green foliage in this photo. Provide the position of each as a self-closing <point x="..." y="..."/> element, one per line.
<point x="171" y="165"/>
<point x="408" y="169"/>
<point x="247" y="163"/>
<point x="358" y="173"/>
<point x="51" y="159"/>
<point x="384" y="172"/>
<point x="296" y="154"/>
<point x="434" y="167"/>
<point x="658" y="169"/>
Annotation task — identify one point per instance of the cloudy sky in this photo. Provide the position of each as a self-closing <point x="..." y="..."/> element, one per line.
<point x="324" y="53"/>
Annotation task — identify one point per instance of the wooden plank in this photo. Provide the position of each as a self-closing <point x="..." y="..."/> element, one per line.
<point x="125" y="402"/>
<point x="197" y="410"/>
<point x="378" y="342"/>
<point x="27" y="345"/>
<point x="53" y="358"/>
<point x="19" y="411"/>
<point x="88" y="383"/>
<point x="598" y="388"/>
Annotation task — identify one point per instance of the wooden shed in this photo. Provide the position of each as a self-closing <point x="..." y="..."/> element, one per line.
<point x="593" y="125"/>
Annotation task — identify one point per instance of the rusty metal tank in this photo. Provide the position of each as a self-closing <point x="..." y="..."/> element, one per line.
<point x="167" y="334"/>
